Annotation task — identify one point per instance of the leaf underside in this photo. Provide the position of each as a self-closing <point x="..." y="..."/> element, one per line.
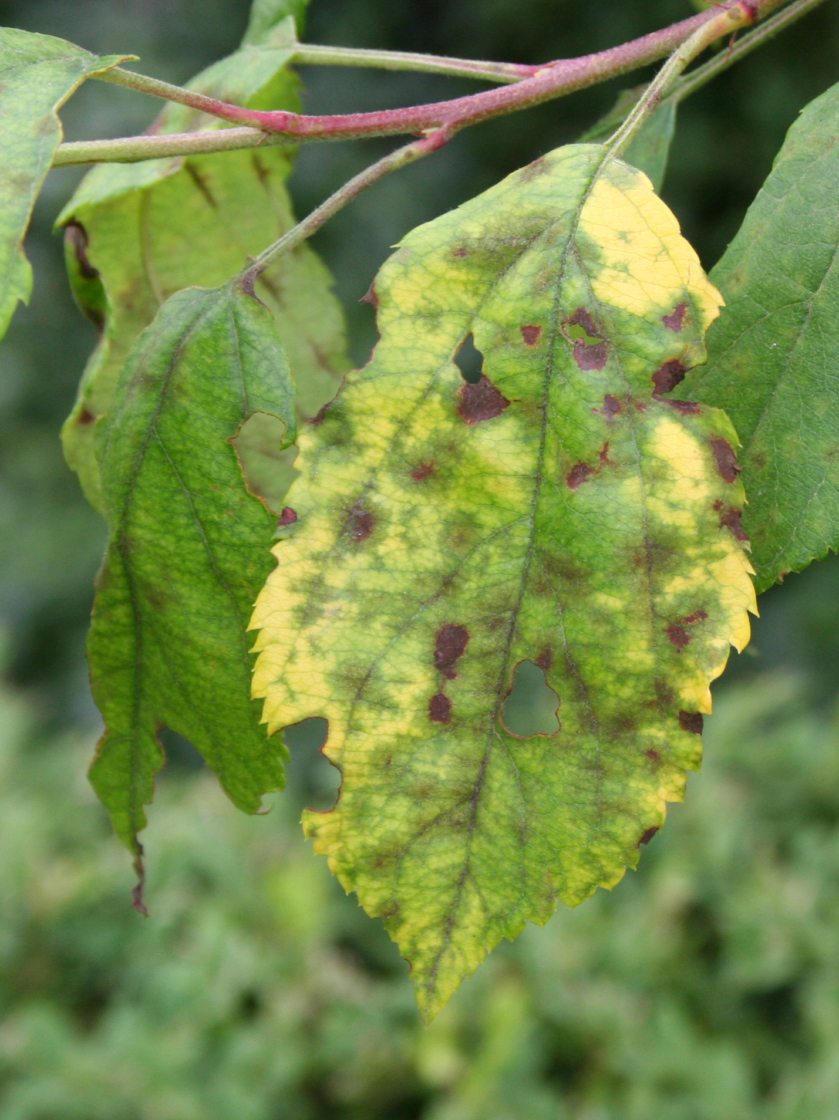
<point x="559" y="511"/>
<point x="773" y="356"/>
<point x="37" y="75"/>
<point x="138" y="233"/>
<point x="188" y="551"/>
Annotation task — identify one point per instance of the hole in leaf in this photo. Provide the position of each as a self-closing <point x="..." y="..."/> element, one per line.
<point x="469" y="360"/>
<point x="531" y="707"/>
<point x="266" y="464"/>
<point x="314" y="778"/>
<point x="181" y="756"/>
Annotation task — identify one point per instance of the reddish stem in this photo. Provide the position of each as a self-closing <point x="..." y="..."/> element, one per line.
<point x="545" y="82"/>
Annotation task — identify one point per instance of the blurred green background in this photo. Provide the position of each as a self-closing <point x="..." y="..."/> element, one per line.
<point x="705" y="986"/>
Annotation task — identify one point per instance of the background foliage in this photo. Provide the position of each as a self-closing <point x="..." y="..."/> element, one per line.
<point x="705" y="986"/>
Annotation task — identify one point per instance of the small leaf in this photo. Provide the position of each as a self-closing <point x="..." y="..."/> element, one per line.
<point x="560" y="511"/>
<point x="650" y="150"/>
<point x="187" y="553"/>
<point x="265" y="14"/>
<point x="37" y="75"/>
<point x="153" y="228"/>
<point x="774" y="353"/>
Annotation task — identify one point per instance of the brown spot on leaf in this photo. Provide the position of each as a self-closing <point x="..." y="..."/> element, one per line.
<point x="360" y="523"/>
<point x="450" y="645"/>
<point x="675" y="322"/>
<point x="531" y="334"/>
<point x="654" y="755"/>
<point x="545" y="659"/>
<point x="732" y="519"/>
<point x="590" y="357"/>
<point x="697" y="616"/>
<point x="604" y="455"/>
<point x="668" y="376"/>
<point x="648" y="835"/>
<point x="287" y="517"/>
<point x="691" y="721"/>
<point x="582" y="318"/>
<point x="727" y="463"/>
<point x="611" y="406"/>
<point x="423" y="471"/>
<point x="460" y="251"/>
<point x="678" y="636"/>
<point x="687" y="408"/>
<point x="480" y="401"/>
<point x="579" y="474"/>
<point x="86" y="417"/>
<point x="440" y="708"/>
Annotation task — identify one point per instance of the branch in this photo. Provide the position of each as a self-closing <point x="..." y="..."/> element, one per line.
<point x="703" y="74"/>
<point x="337" y="201"/>
<point x="419" y="63"/>
<point x="606" y="64"/>
<point x="553" y="80"/>
<point x="721" y="24"/>
<point x="131" y="149"/>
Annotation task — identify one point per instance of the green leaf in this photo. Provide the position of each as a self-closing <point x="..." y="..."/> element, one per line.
<point x="144" y="231"/>
<point x="558" y="511"/>
<point x="188" y="551"/>
<point x="37" y="75"/>
<point x="266" y="13"/>
<point x="774" y="353"/>
<point x="650" y="149"/>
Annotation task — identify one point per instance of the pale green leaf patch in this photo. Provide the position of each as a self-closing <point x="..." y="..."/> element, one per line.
<point x="37" y="75"/>
<point x="563" y="511"/>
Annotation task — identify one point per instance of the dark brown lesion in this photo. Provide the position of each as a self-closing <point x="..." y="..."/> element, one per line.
<point x="647" y="836"/>
<point x="449" y="646"/>
<point x="692" y="722"/>
<point x="360" y="522"/>
<point x="423" y="471"/>
<point x="731" y="518"/>
<point x="531" y="333"/>
<point x="480" y="401"/>
<point x="668" y="376"/>
<point x="676" y="320"/>
<point x="440" y="708"/>
<point x="726" y="459"/>
<point x="579" y="473"/>
<point x="589" y="342"/>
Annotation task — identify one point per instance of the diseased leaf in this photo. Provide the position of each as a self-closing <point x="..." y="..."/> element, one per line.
<point x="774" y="353"/>
<point x="187" y="554"/>
<point x="37" y="75"/>
<point x="148" y="230"/>
<point x="650" y="149"/>
<point x="558" y="511"/>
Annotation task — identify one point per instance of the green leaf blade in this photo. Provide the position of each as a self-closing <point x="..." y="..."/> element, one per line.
<point x="772" y="355"/>
<point x="187" y="552"/>
<point x="154" y="228"/>
<point x="37" y="75"/>
<point x="560" y="511"/>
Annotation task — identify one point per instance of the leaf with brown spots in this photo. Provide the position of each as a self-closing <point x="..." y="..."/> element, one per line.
<point x="569" y="538"/>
